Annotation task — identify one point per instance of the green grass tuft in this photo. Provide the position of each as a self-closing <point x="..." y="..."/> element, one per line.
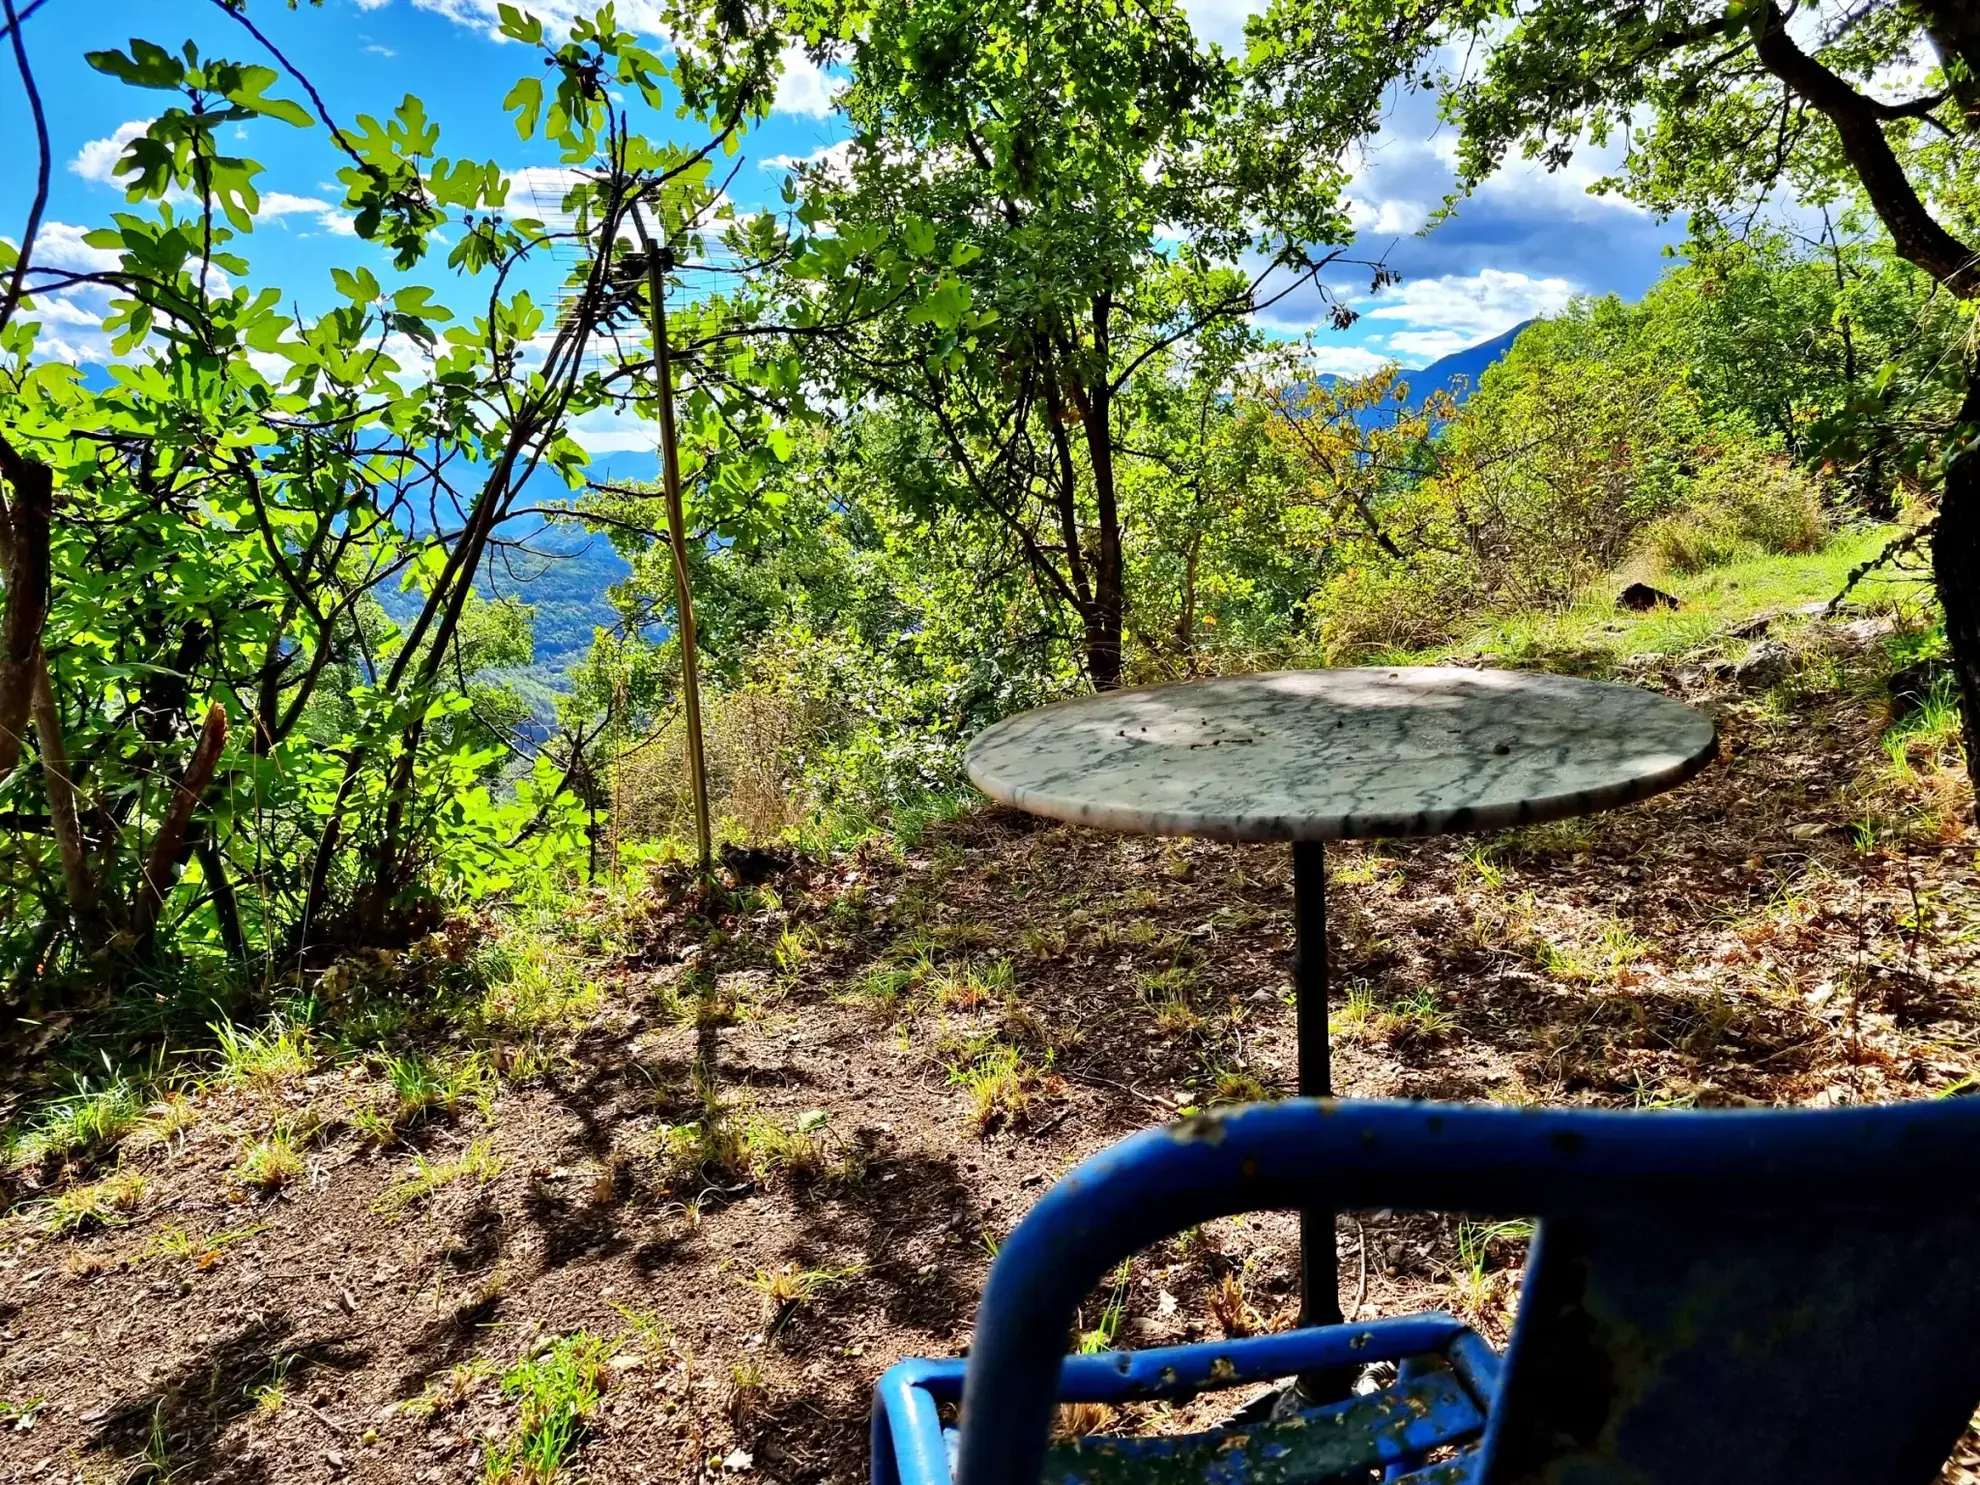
<point x="556" y="1391"/>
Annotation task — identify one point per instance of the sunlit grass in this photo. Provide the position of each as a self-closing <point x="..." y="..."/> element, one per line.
<point x="1001" y="1084"/>
<point x="109" y="1202"/>
<point x="1594" y="637"/>
<point x="477" y="1163"/>
<point x="87" y="1121"/>
<point x="555" y="1392"/>
<point x="277" y="1053"/>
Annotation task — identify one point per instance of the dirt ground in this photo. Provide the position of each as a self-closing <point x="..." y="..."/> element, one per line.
<point x="780" y="1149"/>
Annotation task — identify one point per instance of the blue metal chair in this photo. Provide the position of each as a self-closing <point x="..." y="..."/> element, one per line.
<point x="1737" y="1298"/>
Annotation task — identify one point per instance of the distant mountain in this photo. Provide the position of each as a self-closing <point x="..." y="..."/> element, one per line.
<point x="564" y="574"/>
<point x="1442" y="375"/>
<point x="1469" y="363"/>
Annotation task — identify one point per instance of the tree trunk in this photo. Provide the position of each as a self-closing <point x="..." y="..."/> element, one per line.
<point x="1106" y="622"/>
<point x="226" y="906"/>
<point x="64" y="811"/>
<point x="1956" y="563"/>
<point x="1103" y="648"/>
<point x="168" y="848"/>
<point x="24" y="606"/>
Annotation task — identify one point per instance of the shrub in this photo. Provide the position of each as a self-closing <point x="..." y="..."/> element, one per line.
<point x="1693" y="541"/>
<point x="1766" y="499"/>
<point x="1747" y="502"/>
<point x="1410" y="605"/>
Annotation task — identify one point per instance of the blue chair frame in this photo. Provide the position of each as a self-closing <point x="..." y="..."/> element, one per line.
<point x="1753" y="1298"/>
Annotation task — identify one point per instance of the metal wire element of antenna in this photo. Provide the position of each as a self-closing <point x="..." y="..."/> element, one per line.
<point x="658" y="262"/>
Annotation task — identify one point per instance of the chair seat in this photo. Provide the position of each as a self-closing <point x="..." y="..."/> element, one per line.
<point x="1384" y="1428"/>
<point x="1446" y="1378"/>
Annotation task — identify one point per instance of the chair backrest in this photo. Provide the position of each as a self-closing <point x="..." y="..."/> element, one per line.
<point x="1760" y="1297"/>
<point x="1780" y="1347"/>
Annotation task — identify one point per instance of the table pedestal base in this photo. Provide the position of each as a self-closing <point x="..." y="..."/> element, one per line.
<point x="1319" y="1261"/>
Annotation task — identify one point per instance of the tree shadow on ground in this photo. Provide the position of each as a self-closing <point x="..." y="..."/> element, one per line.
<point x="920" y="1241"/>
<point x="178" y="1423"/>
<point x="447" y="1342"/>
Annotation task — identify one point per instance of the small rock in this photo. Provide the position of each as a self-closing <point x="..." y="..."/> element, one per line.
<point x="1641" y="598"/>
<point x="1753" y="628"/>
<point x="1764" y="666"/>
<point x="1868" y="629"/>
<point x="739" y="1461"/>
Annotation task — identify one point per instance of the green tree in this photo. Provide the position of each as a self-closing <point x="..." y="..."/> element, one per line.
<point x="207" y="724"/>
<point x="1037" y="202"/>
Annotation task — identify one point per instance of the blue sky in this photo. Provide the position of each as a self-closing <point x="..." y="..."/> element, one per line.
<point x="1521" y="247"/>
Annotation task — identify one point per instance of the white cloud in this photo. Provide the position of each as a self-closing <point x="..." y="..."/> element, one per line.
<point x="1431" y="345"/>
<point x="605" y="431"/>
<point x="374" y="49"/>
<point x="1346" y="360"/>
<point x="71" y="352"/>
<point x="372" y="4"/>
<point x="803" y="86"/>
<point x="1390" y="218"/>
<point x="277" y="205"/>
<point x="97" y="160"/>
<point x="556" y="15"/>
<point x="833" y="157"/>
<point x="1472" y="307"/>
<point x="1528" y="188"/>
<point x="282" y="204"/>
<point x="69" y="330"/>
<point x="60" y="245"/>
<point x="53" y="311"/>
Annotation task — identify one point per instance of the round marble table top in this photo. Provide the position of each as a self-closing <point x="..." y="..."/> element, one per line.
<point x="1338" y="754"/>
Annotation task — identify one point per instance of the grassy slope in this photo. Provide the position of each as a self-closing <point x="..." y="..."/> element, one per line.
<point x="1594" y="637"/>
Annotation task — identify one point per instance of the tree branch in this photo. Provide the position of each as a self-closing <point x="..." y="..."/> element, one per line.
<point x="40" y="202"/>
<point x="1915" y="232"/>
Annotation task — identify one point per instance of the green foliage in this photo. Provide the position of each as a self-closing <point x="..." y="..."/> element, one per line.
<point x="110" y="1202"/>
<point x="83" y="1124"/>
<point x="477" y="1163"/>
<point x="237" y="541"/>
<point x="277" y="1053"/>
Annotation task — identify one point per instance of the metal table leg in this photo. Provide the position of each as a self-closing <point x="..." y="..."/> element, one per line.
<point x="1319" y="1263"/>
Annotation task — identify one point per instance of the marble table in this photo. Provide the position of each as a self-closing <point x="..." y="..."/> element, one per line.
<point x="1309" y="756"/>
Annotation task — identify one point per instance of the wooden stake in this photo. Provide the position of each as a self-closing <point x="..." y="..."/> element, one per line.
<point x="657" y="264"/>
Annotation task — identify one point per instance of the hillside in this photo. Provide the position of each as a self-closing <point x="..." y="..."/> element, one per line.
<point x="723" y="1170"/>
